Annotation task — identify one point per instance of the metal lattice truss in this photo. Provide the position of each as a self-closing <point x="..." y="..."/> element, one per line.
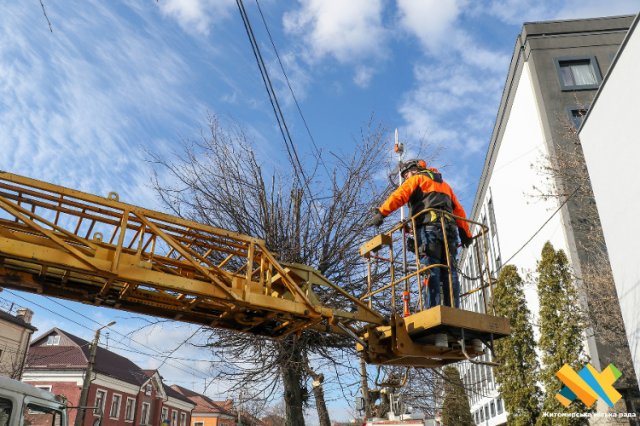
<point x="69" y="244"/>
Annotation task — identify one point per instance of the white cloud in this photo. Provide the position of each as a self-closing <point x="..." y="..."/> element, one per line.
<point x="448" y="107"/>
<point x="430" y="21"/>
<point x="573" y="9"/>
<point x="436" y="25"/>
<point x="363" y="76"/>
<point x="79" y="106"/>
<point x="517" y="12"/>
<point x="478" y="56"/>
<point x="348" y="31"/>
<point x="197" y="16"/>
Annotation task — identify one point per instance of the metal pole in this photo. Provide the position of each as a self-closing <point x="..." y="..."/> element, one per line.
<point x="240" y="408"/>
<point x="84" y="395"/>
<point x="399" y="149"/>
<point x="365" y="387"/>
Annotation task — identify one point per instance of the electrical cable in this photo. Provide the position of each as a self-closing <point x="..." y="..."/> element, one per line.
<point x="293" y="95"/>
<point x="161" y="354"/>
<point x="570" y="196"/>
<point x="88" y="328"/>
<point x="284" y="130"/>
<point x="277" y="110"/>
<point x="524" y="245"/>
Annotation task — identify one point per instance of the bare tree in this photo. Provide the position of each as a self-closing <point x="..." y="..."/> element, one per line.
<point x="303" y="217"/>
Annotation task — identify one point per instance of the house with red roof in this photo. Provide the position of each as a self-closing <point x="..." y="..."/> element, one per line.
<point x="208" y="412"/>
<point x="123" y="393"/>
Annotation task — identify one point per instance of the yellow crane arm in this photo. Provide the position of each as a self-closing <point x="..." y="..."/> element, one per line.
<point x="65" y="243"/>
<point x="69" y="244"/>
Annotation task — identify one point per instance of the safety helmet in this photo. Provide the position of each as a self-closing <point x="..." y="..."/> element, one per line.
<point x="412" y="164"/>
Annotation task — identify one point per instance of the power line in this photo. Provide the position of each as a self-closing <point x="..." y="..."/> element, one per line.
<point x="128" y="337"/>
<point x="293" y="95"/>
<point x="284" y="130"/>
<point x="192" y="372"/>
<point x="521" y="248"/>
<point x="542" y="226"/>
<point x="299" y="173"/>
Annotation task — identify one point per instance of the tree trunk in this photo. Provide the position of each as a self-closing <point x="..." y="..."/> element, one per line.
<point x="318" y="394"/>
<point x="365" y="387"/>
<point x="291" y="379"/>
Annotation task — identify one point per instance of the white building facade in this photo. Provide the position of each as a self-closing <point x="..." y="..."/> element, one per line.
<point x="555" y="72"/>
<point x="609" y="139"/>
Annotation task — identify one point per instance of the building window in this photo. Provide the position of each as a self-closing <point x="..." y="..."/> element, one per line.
<point x="53" y="340"/>
<point x="499" y="404"/>
<point x="576" y="115"/>
<point x="44" y="387"/>
<point x="114" y="413"/>
<point x="578" y="73"/>
<point x="101" y="397"/>
<point x="165" y="414"/>
<point x="492" y="217"/>
<point x="486" y="412"/>
<point x="148" y="389"/>
<point x="174" y="418"/>
<point x="493" y="409"/>
<point x="481" y="415"/>
<point x="144" y="415"/>
<point x="183" y="419"/>
<point x="130" y="409"/>
<point x="198" y="424"/>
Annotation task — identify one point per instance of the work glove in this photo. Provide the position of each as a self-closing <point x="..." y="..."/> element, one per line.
<point x="376" y="219"/>
<point x="464" y="239"/>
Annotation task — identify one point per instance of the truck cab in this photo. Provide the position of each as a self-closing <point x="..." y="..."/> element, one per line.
<point x="24" y="405"/>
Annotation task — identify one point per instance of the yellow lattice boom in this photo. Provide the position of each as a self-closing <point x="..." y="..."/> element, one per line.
<point x="69" y="244"/>
<point x="65" y="243"/>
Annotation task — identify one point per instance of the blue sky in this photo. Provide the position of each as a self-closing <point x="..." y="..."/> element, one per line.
<point x="81" y="106"/>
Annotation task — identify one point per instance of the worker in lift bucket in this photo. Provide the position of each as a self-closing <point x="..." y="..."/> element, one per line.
<point x="423" y="188"/>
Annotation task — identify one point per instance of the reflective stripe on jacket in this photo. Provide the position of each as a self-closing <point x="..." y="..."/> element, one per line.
<point x="422" y="191"/>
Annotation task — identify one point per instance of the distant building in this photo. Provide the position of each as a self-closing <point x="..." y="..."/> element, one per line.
<point x="555" y="71"/>
<point x="15" y="335"/>
<point x="124" y="393"/>
<point x="208" y="412"/>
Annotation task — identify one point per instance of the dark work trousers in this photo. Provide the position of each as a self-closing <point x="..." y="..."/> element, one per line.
<point x="432" y="252"/>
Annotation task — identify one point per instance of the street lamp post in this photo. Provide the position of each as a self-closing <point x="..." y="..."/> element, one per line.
<point x="84" y="395"/>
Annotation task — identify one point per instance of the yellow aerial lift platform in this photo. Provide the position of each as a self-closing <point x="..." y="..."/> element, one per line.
<point x="69" y="244"/>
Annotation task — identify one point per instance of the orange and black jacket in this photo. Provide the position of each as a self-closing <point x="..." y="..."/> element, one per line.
<point x="424" y="190"/>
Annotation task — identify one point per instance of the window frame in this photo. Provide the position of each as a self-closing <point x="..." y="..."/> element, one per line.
<point x="133" y="410"/>
<point x="164" y="413"/>
<point x="53" y="340"/>
<point x="183" y="419"/>
<point x="572" y="118"/>
<point x="113" y="397"/>
<point x="144" y="419"/>
<point x="593" y="61"/>
<point x="174" y="418"/>
<point x="103" y="402"/>
<point x="44" y="387"/>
